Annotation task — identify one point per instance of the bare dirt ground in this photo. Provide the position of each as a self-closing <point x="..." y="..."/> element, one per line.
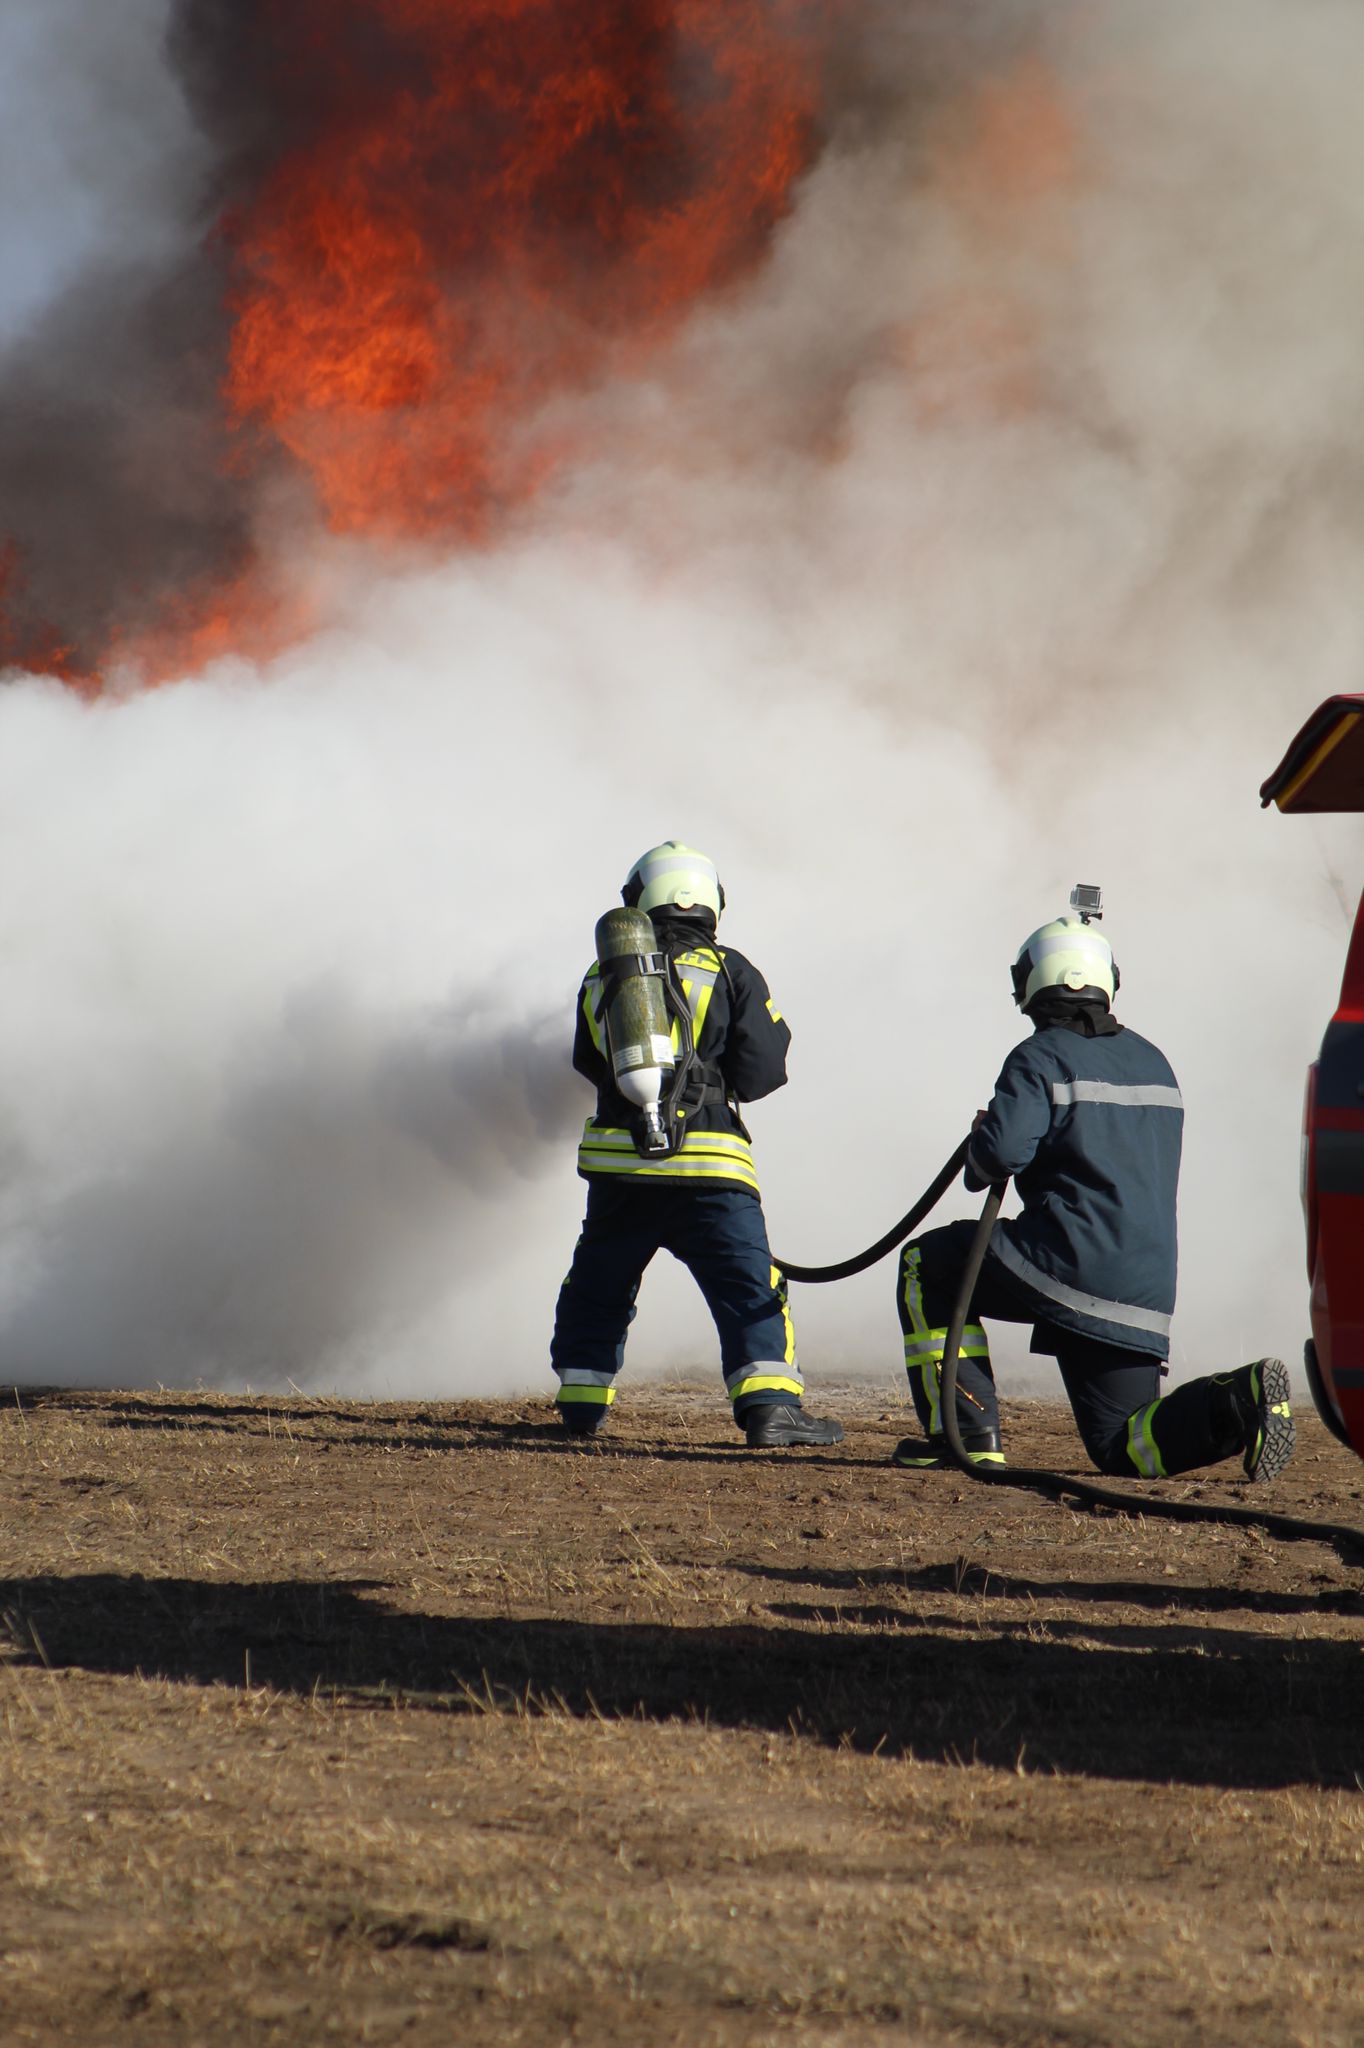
<point x="333" y="1721"/>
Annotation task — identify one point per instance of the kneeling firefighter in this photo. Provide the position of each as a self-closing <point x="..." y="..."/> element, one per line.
<point x="1087" y="1120"/>
<point x="675" y="1032"/>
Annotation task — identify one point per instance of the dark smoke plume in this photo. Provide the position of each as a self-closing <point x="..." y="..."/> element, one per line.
<point x="132" y="491"/>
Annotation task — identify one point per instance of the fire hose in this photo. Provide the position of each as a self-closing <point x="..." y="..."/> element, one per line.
<point x="1348" y="1543"/>
<point x="909" y="1222"/>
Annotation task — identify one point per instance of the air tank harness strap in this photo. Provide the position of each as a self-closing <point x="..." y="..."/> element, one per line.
<point x="896" y="1235"/>
<point x="701" y="1095"/>
<point x="627" y="967"/>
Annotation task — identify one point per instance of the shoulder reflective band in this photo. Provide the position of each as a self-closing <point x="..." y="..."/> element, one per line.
<point x="1063" y="1092"/>
<point x="698" y="972"/>
<point x="594" y="1008"/>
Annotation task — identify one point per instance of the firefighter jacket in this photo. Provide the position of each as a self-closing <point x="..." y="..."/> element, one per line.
<point x="1089" y="1129"/>
<point x="739" y="1035"/>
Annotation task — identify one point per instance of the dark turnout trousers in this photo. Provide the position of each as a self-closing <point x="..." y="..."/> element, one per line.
<point x="1125" y="1424"/>
<point x="720" y="1235"/>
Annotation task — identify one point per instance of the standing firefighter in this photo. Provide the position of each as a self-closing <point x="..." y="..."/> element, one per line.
<point x="674" y="1032"/>
<point x="1087" y="1120"/>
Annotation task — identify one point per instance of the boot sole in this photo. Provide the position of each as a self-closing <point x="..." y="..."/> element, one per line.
<point x="910" y="1456"/>
<point x="995" y="1460"/>
<point x="1278" y="1431"/>
<point x="795" y="1443"/>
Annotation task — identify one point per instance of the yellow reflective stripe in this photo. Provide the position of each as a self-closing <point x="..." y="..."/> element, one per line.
<point x="773" y="1012"/>
<point x="707" y="1155"/>
<point x="779" y="1288"/>
<point x="703" y="968"/>
<point x="680" y="1164"/>
<point x="927" y="1366"/>
<point x="917" y="1354"/>
<point x="700" y="1007"/>
<point x="1142" y="1448"/>
<point x="695" y="1154"/>
<point x="590" y="987"/>
<point x="914" y="1297"/>
<point x="695" y="1157"/>
<point x="974" y="1344"/>
<point x="724" y="1176"/>
<point x="924" y="1346"/>
<point x="601" y="1396"/>
<point x="607" y="1138"/>
<point x="733" y="1171"/>
<point x="932" y="1386"/>
<point x="766" y="1383"/>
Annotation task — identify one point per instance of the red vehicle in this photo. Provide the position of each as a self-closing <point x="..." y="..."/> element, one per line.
<point x="1323" y="770"/>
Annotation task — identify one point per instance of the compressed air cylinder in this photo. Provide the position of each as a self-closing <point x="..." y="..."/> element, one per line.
<point x="638" y="1027"/>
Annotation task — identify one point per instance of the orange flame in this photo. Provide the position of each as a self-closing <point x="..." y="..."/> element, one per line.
<point x="484" y="204"/>
<point x="38" y="644"/>
<point x="1005" y="163"/>
<point x="419" y="278"/>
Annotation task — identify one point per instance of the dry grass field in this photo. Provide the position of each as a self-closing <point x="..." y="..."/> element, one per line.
<point x="336" y="1722"/>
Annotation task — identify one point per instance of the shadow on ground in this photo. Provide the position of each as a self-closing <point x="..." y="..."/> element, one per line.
<point x="1234" y="1709"/>
<point x="1163" y="1596"/>
<point x="371" y="1427"/>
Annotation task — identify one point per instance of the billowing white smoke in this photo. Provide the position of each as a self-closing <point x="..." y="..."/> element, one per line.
<point x="997" y="536"/>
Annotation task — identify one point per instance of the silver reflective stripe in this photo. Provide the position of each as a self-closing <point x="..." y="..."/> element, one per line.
<point x="1109" y="1091"/>
<point x="973" y="1167"/>
<point x="578" y="1376"/>
<point x="925" y="1347"/>
<point x="668" y="863"/>
<point x="1063" y="942"/>
<point x="649" y="870"/>
<point x="926" y="1354"/>
<point x="1124" y="1313"/>
<point x="605" y="1138"/>
<point x="1141" y="1445"/>
<point x="974" y="1344"/>
<point x="763" y="1369"/>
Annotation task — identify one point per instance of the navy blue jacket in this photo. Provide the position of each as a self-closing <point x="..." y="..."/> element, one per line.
<point x="1090" y="1131"/>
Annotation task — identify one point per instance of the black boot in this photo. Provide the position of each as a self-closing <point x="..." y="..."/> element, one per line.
<point x="915" y="1454"/>
<point x="583" y="1419"/>
<point x="1259" y="1399"/>
<point x="772" y="1428"/>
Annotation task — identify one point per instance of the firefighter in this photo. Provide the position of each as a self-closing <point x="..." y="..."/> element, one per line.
<point x="700" y="1201"/>
<point x="1087" y="1120"/>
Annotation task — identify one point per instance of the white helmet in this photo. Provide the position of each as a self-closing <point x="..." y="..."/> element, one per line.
<point x="1067" y="955"/>
<point x="673" y="874"/>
